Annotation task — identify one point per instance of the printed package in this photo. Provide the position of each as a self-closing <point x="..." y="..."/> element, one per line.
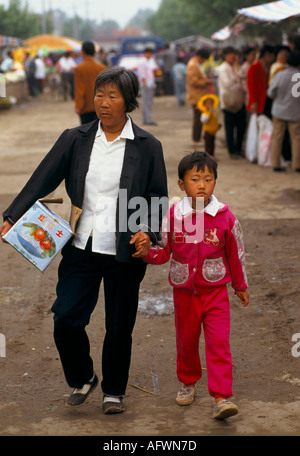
<point x="39" y="235"/>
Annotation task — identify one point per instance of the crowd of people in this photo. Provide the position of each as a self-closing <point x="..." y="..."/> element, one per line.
<point x="240" y="83"/>
<point x="253" y="82"/>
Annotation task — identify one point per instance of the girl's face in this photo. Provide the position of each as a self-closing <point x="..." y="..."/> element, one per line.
<point x="209" y="103"/>
<point x="110" y="106"/>
<point x="198" y="184"/>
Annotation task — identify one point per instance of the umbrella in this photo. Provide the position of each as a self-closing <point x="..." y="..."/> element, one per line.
<point x="53" y="42"/>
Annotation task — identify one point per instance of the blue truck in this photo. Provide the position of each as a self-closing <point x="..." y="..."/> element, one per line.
<point x="131" y="52"/>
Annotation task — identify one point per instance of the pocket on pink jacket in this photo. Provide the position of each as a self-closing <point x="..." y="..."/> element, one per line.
<point x="179" y="273"/>
<point x="213" y="269"/>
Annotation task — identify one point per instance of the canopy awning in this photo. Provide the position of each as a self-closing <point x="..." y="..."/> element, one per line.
<point x="53" y="42"/>
<point x="267" y="12"/>
<point x="6" y="41"/>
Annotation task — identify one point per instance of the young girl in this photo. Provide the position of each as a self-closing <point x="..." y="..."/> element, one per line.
<point x="208" y="105"/>
<point x="205" y="258"/>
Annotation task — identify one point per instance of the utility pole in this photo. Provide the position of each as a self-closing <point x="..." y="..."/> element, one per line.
<point x="87" y="9"/>
<point x="75" y="22"/>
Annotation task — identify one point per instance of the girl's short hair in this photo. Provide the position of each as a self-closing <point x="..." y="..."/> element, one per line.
<point x="127" y="82"/>
<point x="198" y="159"/>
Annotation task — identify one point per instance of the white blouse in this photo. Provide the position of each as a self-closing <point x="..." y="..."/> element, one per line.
<point x="98" y="218"/>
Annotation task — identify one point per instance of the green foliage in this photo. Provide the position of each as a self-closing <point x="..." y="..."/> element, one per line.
<point x="171" y="21"/>
<point x="17" y="21"/>
<point x="179" y="18"/>
<point x="139" y="20"/>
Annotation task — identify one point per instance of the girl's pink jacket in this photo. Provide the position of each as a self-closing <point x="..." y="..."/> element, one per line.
<point x="207" y="247"/>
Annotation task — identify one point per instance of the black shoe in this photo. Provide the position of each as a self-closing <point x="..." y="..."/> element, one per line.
<point x="112" y="405"/>
<point x="78" y="398"/>
<point x="278" y="170"/>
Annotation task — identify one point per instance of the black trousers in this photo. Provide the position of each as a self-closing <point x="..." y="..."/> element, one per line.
<point x="197" y="124"/>
<point x="235" y="129"/>
<point x="80" y="275"/>
<point x="209" y="143"/>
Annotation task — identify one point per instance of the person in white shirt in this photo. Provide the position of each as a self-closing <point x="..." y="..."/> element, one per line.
<point x="39" y="74"/>
<point x="65" y="66"/>
<point x="7" y="63"/>
<point x="148" y="85"/>
<point x="232" y="102"/>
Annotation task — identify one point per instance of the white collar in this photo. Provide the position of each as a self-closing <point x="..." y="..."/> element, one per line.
<point x="126" y="133"/>
<point x="212" y="208"/>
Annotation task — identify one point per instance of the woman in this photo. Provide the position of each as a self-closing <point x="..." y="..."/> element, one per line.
<point x="104" y="164"/>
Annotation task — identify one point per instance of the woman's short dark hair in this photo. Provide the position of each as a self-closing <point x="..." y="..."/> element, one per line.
<point x="125" y="80"/>
<point x="198" y="159"/>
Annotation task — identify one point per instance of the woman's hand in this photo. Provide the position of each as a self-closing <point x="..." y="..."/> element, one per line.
<point x="4" y="229"/>
<point x="141" y="242"/>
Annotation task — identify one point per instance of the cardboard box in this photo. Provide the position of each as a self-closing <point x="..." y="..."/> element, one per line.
<point x="39" y="235"/>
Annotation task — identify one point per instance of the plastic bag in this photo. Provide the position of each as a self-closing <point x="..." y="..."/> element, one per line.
<point x="265" y="128"/>
<point x="252" y="139"/>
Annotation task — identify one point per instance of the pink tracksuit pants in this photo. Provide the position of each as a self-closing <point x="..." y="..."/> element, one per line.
<point x="212" y="309"/>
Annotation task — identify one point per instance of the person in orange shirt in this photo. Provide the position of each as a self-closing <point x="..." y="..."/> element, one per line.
<point x="85" y="74"/>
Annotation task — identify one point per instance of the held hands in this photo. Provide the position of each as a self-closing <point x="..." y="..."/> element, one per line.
<point x="4" y="229"/>
<point x="244" y="297"/>
<point x="141" y="242"/>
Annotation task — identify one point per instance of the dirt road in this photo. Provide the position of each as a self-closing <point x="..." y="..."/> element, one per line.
<point x="266" y="366"/>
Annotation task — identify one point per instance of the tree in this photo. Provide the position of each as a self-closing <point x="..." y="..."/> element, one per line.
<point x="171" y="21"/>
<point x="81" y="29"/>
<point x="17" y="21"/>
<point x="212" y="15"/>
<point x="139" y="20"/>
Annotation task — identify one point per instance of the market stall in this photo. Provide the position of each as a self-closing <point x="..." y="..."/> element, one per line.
<point x="52" y="43"/>
<point x="272" y="12"/>
<point x="15" y="81"/>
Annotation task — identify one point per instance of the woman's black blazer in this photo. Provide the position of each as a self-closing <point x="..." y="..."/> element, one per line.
<point x="143" y="175"/>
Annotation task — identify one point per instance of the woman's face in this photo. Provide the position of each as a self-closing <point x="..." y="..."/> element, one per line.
<point x="110" y="106"/>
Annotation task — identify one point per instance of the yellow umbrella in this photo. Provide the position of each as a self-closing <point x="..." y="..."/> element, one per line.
<point x="53" y="42"/>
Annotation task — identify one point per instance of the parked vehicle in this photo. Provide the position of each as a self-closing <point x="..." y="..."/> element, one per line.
<point x="131" y="52"/>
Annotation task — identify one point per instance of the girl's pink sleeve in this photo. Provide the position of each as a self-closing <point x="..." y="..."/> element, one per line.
<point x="235" y="253"/>
<point x="160" y="254"/>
